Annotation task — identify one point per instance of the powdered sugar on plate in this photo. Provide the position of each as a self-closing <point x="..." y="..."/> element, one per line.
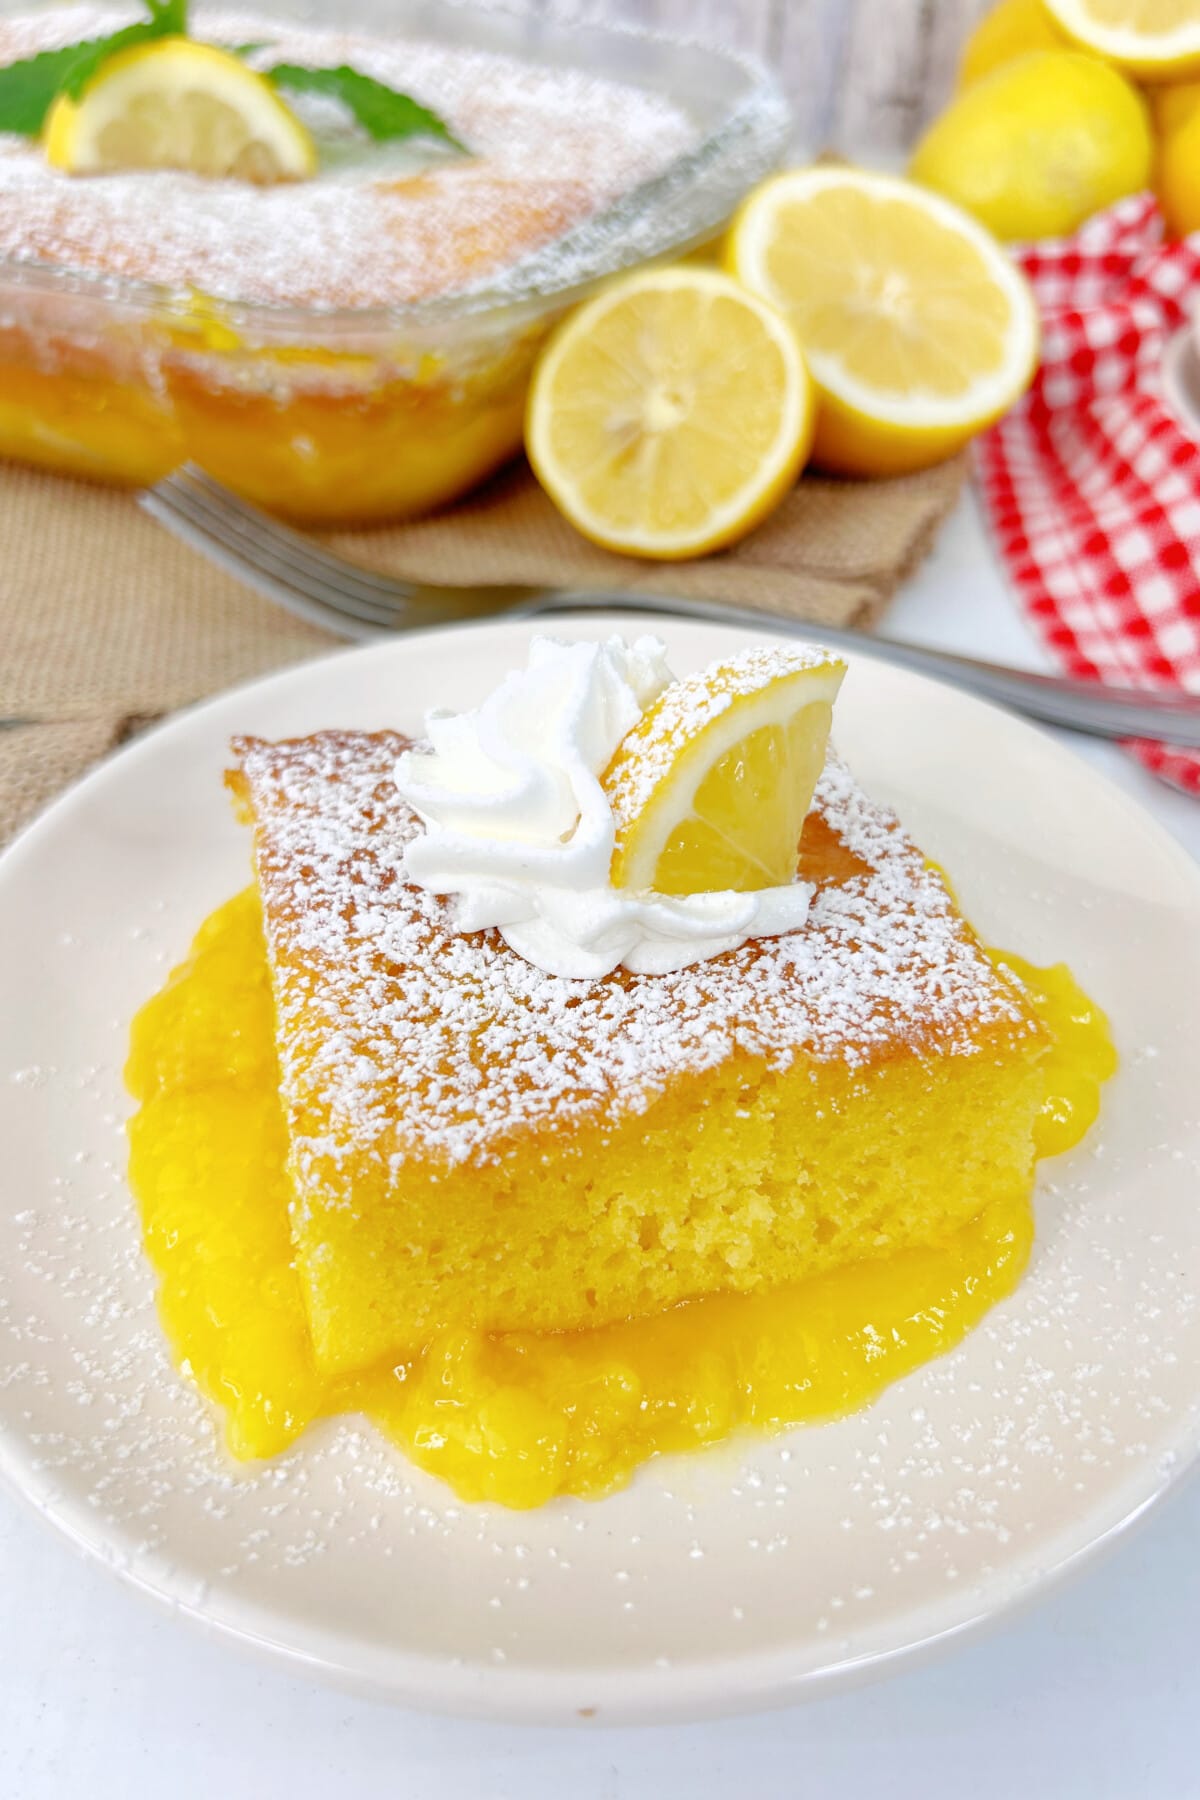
<point x="379" y="225"/>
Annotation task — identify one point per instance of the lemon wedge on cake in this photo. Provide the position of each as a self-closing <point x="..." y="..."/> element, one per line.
<point x="710" y="789"/>
<point x="670" y="413"/>
<point x="176" y="104"/>
<point x="1156" y="40"/>
<point x="916" y="325"/>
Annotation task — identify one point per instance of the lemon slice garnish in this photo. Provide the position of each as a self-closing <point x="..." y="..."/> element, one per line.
<point x="710" y="789"/>
<point x="916" y="325"/>
<point x="670" y="413"/>
<point x="175" y="104"/>
<point x="1155" y="39"/>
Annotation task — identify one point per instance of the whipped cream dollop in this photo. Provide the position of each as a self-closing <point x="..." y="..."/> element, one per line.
<point x="519" y="830"/>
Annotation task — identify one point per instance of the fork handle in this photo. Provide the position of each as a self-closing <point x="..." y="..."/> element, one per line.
<point x="1101" y="711"/>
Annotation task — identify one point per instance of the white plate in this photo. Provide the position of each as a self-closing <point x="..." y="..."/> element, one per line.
<point x="757" y="1573"/>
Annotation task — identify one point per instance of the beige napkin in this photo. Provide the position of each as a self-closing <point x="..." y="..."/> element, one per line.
<point x="107" y="622"/>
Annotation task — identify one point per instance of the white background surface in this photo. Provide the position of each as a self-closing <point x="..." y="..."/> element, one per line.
<point x="1095" y="1693"/>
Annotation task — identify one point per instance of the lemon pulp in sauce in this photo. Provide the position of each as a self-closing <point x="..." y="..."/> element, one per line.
<point x="518" y="1417"/>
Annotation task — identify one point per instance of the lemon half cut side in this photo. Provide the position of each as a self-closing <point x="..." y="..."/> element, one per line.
<point x="917" y="326"/>
<point x="670" y="413"/>
<point x="1156" y="40"/>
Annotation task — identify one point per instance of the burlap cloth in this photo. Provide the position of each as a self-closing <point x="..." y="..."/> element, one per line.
<point x="107" y="622"/>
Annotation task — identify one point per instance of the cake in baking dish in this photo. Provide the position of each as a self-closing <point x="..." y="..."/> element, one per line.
<point x="476" y="1144"/>
<point x="379" y="225"/>
<point x="268" y="333"/>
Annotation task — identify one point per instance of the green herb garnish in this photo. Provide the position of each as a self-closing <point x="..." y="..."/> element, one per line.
<point x="383" y="113"/>
<point x="168" y="18"/>
<point x="28" y="89"/>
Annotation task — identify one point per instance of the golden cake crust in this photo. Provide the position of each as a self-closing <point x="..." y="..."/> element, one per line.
<point x="400" y="1039"/>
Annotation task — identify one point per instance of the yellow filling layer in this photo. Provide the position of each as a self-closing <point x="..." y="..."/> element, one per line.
<point x="520" y="1417"/>
<point x="372" y="447"/>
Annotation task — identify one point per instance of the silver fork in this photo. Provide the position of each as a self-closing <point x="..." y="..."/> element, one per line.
<point x="325" y="589"/>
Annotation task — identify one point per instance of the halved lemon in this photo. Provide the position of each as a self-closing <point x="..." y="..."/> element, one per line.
<point x="710" y="789"/>
<point x="917" y="327"/>
<point x="1157" y="40"/>
<point x="670" y="413"/>
<point x="175" y="104"/>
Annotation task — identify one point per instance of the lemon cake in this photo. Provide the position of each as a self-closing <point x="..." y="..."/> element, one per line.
<point x="379" y="225"/>
<point x="474" y="1143"/>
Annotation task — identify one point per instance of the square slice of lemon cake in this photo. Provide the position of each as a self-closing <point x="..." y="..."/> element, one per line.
<point x="475" y="1143"/>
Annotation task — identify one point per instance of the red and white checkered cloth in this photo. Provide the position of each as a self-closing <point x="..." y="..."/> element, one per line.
<point x="1091" y="487"/>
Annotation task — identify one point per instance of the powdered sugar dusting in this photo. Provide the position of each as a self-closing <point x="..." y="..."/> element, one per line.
<point x="379" y="225"/>
<point x="399" y="1037"/>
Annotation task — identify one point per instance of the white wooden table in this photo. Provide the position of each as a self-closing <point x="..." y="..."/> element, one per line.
<point x="864" y="75"/>
<point x="1093" y="1695"/>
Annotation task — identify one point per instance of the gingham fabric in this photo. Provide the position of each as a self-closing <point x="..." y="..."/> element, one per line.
<point x="1091" y="487"/>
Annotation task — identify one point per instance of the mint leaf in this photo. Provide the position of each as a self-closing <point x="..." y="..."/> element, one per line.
<point x="382" y="112"/>
<point x="28" y="89"/>
<point x="168" y="18"/>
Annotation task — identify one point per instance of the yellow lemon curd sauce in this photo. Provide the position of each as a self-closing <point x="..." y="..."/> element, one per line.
<point x="320" y="436"/>
<point x="519" y="1417"/>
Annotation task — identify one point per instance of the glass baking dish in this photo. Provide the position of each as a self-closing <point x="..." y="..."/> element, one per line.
<point x="373" y="413"/>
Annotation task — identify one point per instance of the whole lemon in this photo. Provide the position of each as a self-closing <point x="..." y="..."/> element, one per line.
<point x="1010" y="30"/>
<point x="1037" y="146"/>
<point x="1179" y="176"/>
<point x="1172" y="105"/>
